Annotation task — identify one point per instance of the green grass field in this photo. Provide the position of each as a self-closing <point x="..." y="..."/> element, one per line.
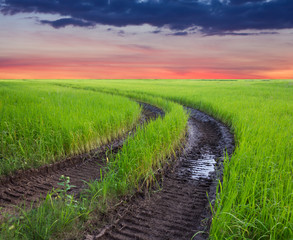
<point x="255" y="199"/>
<point x="40" y="124"/>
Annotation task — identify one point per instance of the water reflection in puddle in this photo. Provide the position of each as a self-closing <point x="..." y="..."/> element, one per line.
<point x="198" y="169"/>
<point x="203" y="166"/>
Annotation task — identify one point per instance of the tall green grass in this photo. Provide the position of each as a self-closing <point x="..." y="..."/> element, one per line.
<point x="56" y="215"/>
<point x="141" y="156"/>
<point x="137" y="164"/>
<point x="255" y="200"/>
<point x="133" y="168"/>
<point x="40" y="123"/>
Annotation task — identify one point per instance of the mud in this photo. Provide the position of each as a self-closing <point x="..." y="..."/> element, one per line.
<point x="181" y="208"/>
<point x="31" y="185"/>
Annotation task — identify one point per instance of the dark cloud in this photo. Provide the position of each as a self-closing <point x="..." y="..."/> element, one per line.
<point x="63" y="22"/>
<point x="212" y="17"/>
<point x="183" y="33"/>
<point x="156" y="31"/>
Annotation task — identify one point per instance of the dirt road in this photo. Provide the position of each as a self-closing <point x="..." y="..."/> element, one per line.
<point x="181" y="208"/>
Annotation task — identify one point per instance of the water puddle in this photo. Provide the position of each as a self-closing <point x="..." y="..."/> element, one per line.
<point x="199" y="168"/>
<point x="203" y="166"/>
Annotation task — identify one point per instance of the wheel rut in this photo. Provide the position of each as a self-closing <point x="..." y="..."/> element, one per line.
<point x="31" y="185"/>
<point x="181" y="208"/>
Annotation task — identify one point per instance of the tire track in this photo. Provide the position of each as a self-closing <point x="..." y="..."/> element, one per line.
<point x="181" y="208"/>
<point x="31" y="185"/>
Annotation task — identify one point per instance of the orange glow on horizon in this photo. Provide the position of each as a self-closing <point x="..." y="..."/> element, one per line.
<point x="54" y="72"/>
<point x="18" y="73"/>
<point x="87" y="69"/>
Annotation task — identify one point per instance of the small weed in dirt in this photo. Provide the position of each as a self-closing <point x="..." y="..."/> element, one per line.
<point x="59" y="212"/>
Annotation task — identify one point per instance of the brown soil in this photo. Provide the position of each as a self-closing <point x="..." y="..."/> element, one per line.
<point x="30" y="185"/>
<point x="181" y="208"/>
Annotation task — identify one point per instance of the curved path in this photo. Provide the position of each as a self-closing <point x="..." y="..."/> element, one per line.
<point x="178" y="211"/>
<point x="30" y="185"/>
<point x="181" y="208"/>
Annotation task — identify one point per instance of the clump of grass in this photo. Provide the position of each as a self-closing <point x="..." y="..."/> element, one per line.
<point x="40" y="124"/>
<point x="136" y="165"/>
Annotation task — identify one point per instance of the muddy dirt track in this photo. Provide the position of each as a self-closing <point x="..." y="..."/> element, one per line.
<point x="177" y="211"/>
<point x="180" y="208"/>
<point x="30" y="185"/>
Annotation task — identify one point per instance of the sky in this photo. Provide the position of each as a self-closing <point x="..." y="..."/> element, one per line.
<point x="146" y="39"/>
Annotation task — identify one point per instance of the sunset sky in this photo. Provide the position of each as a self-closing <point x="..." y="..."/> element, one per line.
<point x="110" y="39"/>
